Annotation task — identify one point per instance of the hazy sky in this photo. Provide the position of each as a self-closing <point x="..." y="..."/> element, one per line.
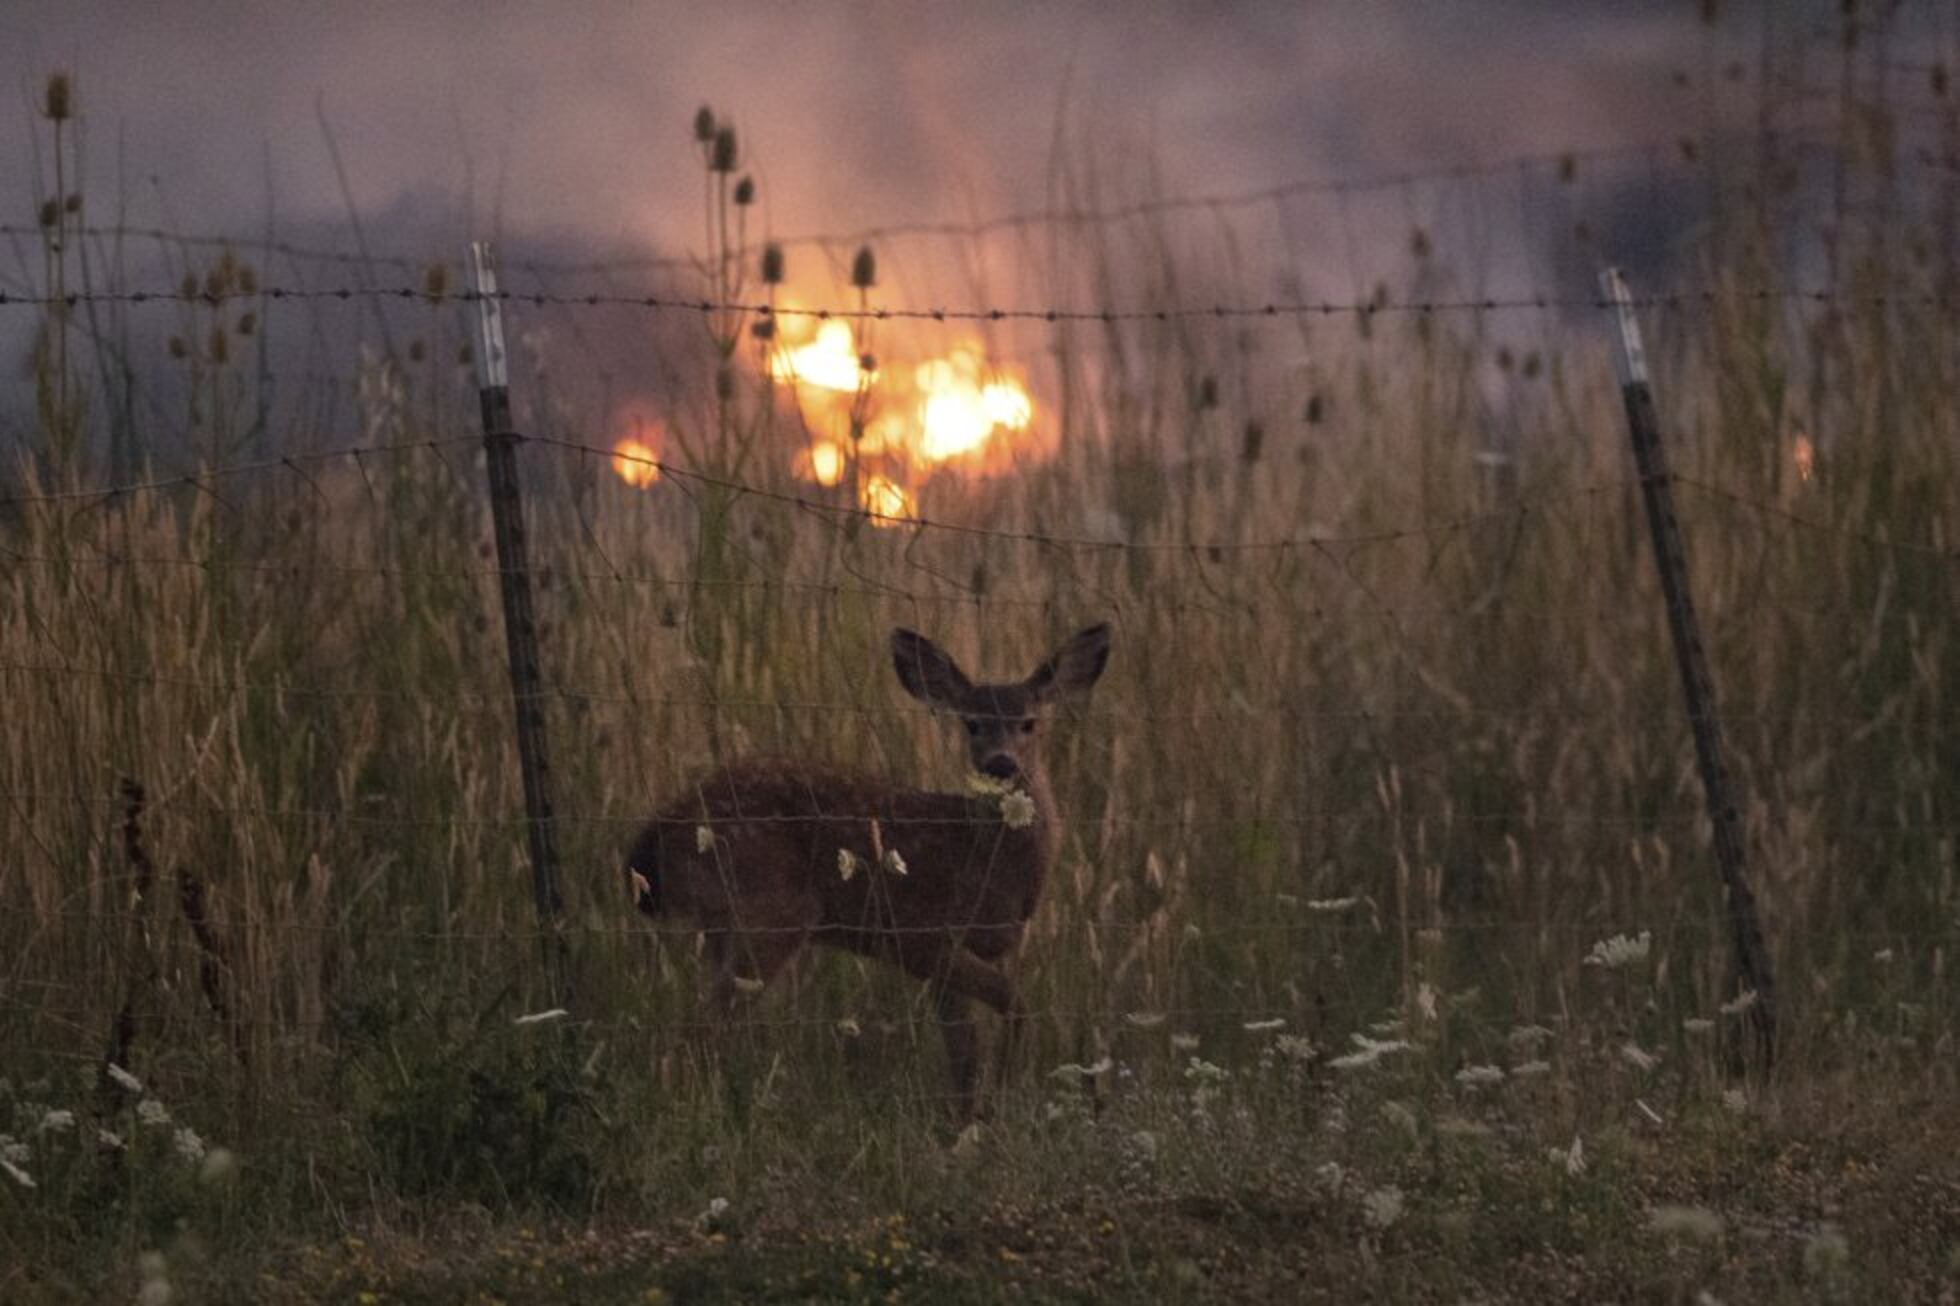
<point x="574" y="116"/>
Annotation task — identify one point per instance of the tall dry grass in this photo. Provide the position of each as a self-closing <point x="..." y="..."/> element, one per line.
<point x="1408" y="764"/>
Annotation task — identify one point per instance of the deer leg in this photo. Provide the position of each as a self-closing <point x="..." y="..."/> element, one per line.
<point x="972" y="978"/>
<point x="962" y="1036"/>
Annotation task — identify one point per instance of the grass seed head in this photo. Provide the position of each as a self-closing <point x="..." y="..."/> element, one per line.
<point x="864" y="269"/>
<point x="772" y="264"/>
<point x="704" y="124"/>
<point x="58" y="105"/>
<point x="724" y="156"/>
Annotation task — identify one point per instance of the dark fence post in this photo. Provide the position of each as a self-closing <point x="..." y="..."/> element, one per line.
<point x="520" y="628"/>
<point x="1745" y="925"/>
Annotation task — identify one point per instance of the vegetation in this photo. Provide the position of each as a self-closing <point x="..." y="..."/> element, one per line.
<point x="1384" y="957"/>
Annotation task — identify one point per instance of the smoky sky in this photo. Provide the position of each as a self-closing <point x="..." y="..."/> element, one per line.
<point x="204" y="115"/>
<point x="563" y="132"/>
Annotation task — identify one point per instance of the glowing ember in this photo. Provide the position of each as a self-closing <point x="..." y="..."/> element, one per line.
<point x="830" y="362"/>
<point x="1804" y="454"/>
<point x="887" y="499"/>
<point x="822" y="462"/>
<point x="633" y="461"/>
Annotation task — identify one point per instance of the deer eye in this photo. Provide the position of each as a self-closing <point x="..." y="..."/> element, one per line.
<point x="1027" y="725"/>
<point x="973" y="728"/>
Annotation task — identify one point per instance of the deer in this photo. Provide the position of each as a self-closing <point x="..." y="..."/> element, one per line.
<point x="765" y="858"/>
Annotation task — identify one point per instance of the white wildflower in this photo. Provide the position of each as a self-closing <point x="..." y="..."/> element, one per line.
<point x="704" y="839"/>
<point x="1735" y="1100"/>
<point x="188" y="1145"/>
<point x="109" y="1142"/>
<point x="152" y="1112"/>
<point x="1620" y="950"/>
<point x="1526" y="1069"/>
<point x="1331" y="905"/>
<point x="1369" y="1052"/>
<point x="1479" y="1076"/>
<point x="57" y="1121"/>
<point x="1205" y="1072"/>
<point x="1528" y="1036"/>
<point x="1695" y="1222"/>
<point x="1262" y="1026"/>
<point x="1426" y="1001"/>
<point x="1183" y="1042"/>
<point x="1075" y="1074"/>
<point x="1638" y="1057"/>
<point x="1145" y="1019"/>
<point x="1573" y="1158"/>
<point x="1017" y="810"/>
<point x="1382" y="1207"/>
<point x="1402" y="1118"/>
<point x="127" y="1082"/>
<point x="849" y="1027"/>
<point x="847" y="864"/>
<point x="1740" y="1003"/>
<point x="1296" y="1047"/>
<point x="893" y="863"/>
<point x="1697" y="1025"/>
<point x="1144" y="1144"/>
<point x="16" y="1174"/>
<point x="1883" y="956"/>
<point x="542" y="1017"/>
<point x="12" y="1149"/>
<point x="1329" y="1175"/>
<point x="715" y="1215"/>
<point x="220" y="1163"/>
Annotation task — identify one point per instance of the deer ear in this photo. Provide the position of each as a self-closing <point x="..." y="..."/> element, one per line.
<point x="1073" y="667"/>
<point x="927" y="673"/>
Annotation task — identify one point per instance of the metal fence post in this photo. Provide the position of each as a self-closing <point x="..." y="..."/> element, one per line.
<point x="520" y="628"/>
<point x="1746" y="929"/>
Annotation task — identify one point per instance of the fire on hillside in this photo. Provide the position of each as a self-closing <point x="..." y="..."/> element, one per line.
<point x="898" y="425"/>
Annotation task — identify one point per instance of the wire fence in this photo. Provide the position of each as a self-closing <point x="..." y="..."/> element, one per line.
<point x="1369" y="692"/>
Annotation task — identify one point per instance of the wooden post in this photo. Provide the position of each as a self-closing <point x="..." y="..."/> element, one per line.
<point x="520" y="628"/>
<point x="1746" y="930"/>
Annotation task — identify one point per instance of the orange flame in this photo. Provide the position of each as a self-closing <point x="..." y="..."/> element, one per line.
<point x="822" y="462"/>
<point x="960" y="408"/>
<point x="888" y="500"/>
<point x="830" y="362"/>
<point x="633" y="462"/>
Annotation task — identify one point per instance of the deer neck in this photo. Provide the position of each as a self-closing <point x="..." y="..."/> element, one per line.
<point x="1047" y="826"/>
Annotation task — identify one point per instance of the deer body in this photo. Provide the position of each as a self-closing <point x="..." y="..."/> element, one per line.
<point x="767" y="857"/>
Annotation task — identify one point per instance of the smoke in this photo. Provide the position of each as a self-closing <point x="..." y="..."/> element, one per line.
<point x="213" y="115"/>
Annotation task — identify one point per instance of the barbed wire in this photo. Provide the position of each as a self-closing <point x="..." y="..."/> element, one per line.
<point x="1518" y="509"/>
<point x="1350" y="914"/>
<point x="226" y="471"/>
<point x="1565" y="161"/>
<point x="762" y="310"/>
<point x="497" y="703"/>
<point x="1166" y="819"/>
<point x="1731" y="498"/>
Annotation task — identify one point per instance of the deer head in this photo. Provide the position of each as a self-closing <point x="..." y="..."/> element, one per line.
<point x="1002" y="721"/>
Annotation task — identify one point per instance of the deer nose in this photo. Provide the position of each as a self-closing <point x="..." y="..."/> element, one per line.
<point x="1001" y="767"/>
